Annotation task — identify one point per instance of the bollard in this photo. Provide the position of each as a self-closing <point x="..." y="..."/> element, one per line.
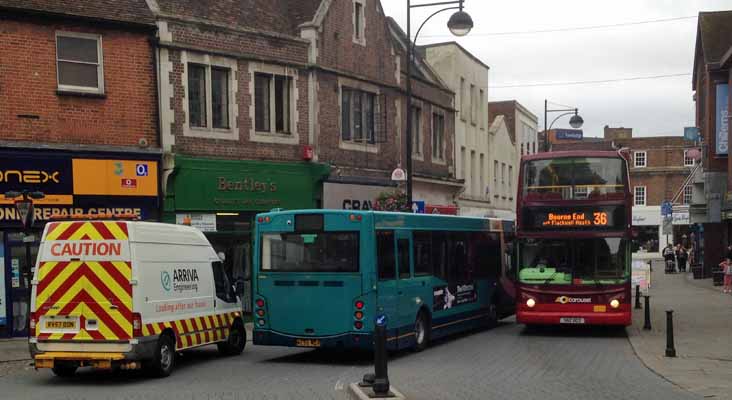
<point x="381" y="376"/>
<point x="647" y="323"/>
<point x="637" y="297"/>
<point x="670" y="349"/>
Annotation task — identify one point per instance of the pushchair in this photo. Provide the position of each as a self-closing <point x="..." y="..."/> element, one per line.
<point x="670" y="266"/>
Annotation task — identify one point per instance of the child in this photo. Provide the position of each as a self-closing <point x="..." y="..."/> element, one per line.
<point x="726" y="266"/>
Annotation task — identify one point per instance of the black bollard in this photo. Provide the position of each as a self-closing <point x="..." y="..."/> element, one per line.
<point x="637" y="297"/>
<point x="381" y="377"/>
<point x="670" y="349"/>
<point x="647" y="323"/>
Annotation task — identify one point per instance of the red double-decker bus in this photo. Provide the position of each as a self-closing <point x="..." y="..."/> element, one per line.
<point x="573" y="231"/>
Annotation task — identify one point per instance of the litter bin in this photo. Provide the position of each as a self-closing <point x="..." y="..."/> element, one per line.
<point x="717" y="276"/>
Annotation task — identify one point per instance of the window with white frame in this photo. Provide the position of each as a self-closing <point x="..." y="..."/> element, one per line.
<point x="639" y="158"/>
<point x="688" y="192"/>
<point x="79" y="65"/>
<point x="438" y="136"/>
<point x="640" y="195"/>
<point x="688" y="161"/>
<point x="208" y="96"/>
<point x="359" y="22"/>
<point x="272" y="103"/>
<point x="417" y="131"/>
<point x="357" y="115"/>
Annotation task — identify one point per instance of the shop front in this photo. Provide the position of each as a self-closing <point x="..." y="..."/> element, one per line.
<point x="221" y="198"/>
<point x="647" y="225"/>
<point x="71" y="183"/>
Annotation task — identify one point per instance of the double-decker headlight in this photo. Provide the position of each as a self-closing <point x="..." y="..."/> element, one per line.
<point x="614" y="303"/>
<point x="530" y="303"/>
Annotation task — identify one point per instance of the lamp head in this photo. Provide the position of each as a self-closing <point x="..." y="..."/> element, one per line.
<point x="576" y="121"/>
<point x="460" y="23"/>
<point x="36" y="195"/>
<point x="12" y="194"/>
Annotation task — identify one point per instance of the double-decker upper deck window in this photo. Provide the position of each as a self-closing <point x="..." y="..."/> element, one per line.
<point x="357" y="115"/>
<point x="272" y="103"/>
<point x="79" y="62"/>
<point x="570" y="178"/>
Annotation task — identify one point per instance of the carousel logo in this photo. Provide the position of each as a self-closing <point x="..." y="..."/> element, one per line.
<point x="565" y="300"/>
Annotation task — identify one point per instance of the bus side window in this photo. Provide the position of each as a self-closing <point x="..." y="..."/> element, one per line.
<point x="403" y="249"/>
<point x="385" y="256"/>
<point x="439" y="255"/>
<point x="422" y="253"/>
<point x="486" y="255"/>
<point x="459" y="271"/>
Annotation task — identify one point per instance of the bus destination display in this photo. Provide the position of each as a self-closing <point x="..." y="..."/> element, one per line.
<point x="552" y="218"/>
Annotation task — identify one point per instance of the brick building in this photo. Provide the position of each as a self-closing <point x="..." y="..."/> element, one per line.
<point x="292" y="104"/>
<point x="711" y="208"/>
<point x="659" y="169"/>
<point x="78" y="122"/>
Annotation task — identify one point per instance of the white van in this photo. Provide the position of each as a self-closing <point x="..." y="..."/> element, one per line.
<point x="128" y="294"/>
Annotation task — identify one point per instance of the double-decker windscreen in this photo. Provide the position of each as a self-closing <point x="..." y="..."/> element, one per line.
<point x="572" y="261"/>
<point x="574" y="178"/>
<point x="315" y="251"/>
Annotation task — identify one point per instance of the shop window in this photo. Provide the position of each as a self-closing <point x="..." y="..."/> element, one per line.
<point x="272" y="103"/>
<point x="422" y="253"/>
<point x="438" y="137"/>
<point x="640" y="195"/>
<point x="357" y="115"/>
<point x="79" y="62"/>
<point x="385" y="255"/>
<point x="647" y="239"/>
<point x="640" y="159"/>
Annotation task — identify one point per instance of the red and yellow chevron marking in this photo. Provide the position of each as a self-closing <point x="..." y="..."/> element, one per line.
<point x="192" y="332"/>
<point x="87" y="230"/>
<point x="89" y="290"/>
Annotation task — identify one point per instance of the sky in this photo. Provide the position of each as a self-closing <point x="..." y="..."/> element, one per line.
<point x="652" y="107"/>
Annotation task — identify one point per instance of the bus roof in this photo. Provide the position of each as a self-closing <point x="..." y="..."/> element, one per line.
<point x="383" y="219"/>
<point x="570" y="153"/>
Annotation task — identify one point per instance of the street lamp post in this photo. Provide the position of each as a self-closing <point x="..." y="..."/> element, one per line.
<point x="575" y="122"/>
<point x="460" y="24"/>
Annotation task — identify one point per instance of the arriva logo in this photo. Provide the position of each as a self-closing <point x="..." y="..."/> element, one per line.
<point x="165" y="280"/>
<point x="565" y="300"/>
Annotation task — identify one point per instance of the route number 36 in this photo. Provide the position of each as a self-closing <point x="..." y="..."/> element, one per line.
<point x="600" y="218"/>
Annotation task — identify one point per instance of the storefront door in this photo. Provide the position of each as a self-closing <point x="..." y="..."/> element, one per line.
<point x="20" y="258"/>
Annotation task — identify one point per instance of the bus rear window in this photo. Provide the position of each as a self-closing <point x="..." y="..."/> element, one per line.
<point x="310" y="252"/>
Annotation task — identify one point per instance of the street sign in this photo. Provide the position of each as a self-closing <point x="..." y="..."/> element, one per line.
<point x="398" y="175"/>
<point x="25" y="210"/>
<point x="418" y="207"/>
<point x="667" y="208"/>
<point x="668" y="227"/>
<point x="381" y="320"/>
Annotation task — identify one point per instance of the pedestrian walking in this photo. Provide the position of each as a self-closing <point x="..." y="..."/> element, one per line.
<point x="682" y="256"/>
<point x="669" y="256"/>
<point x="726" y="266"/>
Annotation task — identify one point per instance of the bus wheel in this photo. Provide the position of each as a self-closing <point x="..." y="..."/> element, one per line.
<point x="64" y="369"/>
<point x="234" y="344"/>
<point x="492" y="317"/>
<point x="421" y="332"/>
<point x="162" y="364"/>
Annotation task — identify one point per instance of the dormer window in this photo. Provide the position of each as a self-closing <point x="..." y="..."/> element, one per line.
<point x="359" y="22"/>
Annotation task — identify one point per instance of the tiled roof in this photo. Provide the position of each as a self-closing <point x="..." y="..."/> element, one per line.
<point x="715" y="30"/>
<point x="127" y="11"/>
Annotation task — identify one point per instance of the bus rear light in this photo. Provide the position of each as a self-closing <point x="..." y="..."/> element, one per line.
<point x="260" y="220"/>
<point x="267" y="220"/>
<point x="136" y="325"/>
<point x="614" y="303"/>
<point x="530" y="303"/>
<point x="260" y="312"/>
<point x="354" y="217"/>
<point x="359" y="305"/>
<point x="260" y="322"/>
<point x="260" y="303"/>
<point x="358" y="315"/>
<point x="358" y="324"/>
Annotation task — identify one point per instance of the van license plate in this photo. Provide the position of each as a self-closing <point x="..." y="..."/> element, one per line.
<point x="307" y="342"/>
<point x="66" y="324"/>
<point x="571" y="320"/>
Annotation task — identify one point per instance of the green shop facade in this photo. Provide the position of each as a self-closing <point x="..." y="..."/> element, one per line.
<point x="222" y="197"/>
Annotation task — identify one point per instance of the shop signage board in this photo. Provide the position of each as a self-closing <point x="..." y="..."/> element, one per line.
<point x="78" y="185"/>
<point x="722" y="119"/>
<point x="344" y="196"/>
<point x="204" y="222"/>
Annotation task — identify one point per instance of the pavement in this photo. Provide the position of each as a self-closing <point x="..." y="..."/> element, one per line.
<point x="702" y="331"/>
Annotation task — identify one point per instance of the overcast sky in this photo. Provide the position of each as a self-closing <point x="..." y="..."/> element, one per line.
<point x="651" y="107"/>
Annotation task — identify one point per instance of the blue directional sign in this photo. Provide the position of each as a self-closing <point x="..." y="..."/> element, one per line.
<point x="418" y="207"/>
<point x="667" y="208"/>
<point x="381" y="320"/>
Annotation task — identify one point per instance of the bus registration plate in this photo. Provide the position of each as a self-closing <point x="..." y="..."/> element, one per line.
<point x="307" y="342"/>
<point x="571" y="320"/>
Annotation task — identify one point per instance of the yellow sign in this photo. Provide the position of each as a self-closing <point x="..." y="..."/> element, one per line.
<point x="61" y="324"/>
<point x="115" y="177"/>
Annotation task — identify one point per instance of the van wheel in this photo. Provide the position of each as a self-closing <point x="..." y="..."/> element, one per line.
<point x="64" y="369"/>
<point x="162" y="364"/>
<point x="421" y="332"/>
<point x="235" y="343"/>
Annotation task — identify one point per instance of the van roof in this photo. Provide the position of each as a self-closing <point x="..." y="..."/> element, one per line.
<point x="146" y="232"/>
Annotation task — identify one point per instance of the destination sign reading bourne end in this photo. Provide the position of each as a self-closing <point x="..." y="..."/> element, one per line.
<point x="589" y="217"/>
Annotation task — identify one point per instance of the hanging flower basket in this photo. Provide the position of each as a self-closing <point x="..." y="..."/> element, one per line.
<point x="392" y="201"/>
